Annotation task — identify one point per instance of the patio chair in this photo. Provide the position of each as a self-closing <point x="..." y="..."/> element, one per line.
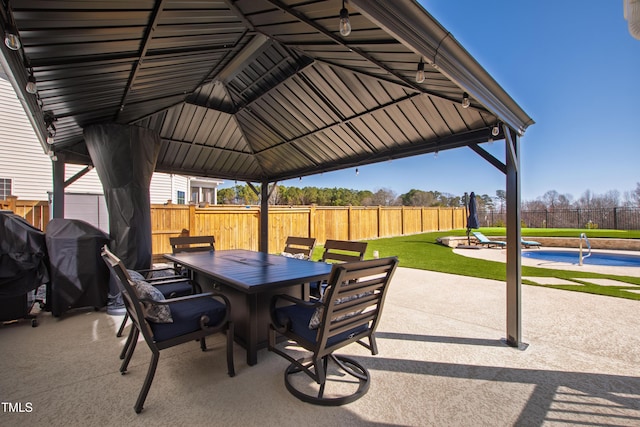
<point x="191" y="244"/>
<point x="530" y="244"/>
<point x="348" y="312"/>
<point x="167" y="323"/>
<point x="299" y="246"/>
<point x="339" y="251"/>
<point x="170" y="287"/>
<point x="483" y="240"/>
<point x="170" y="282"/>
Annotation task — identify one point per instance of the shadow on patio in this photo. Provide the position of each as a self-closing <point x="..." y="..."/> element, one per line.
<point x="441" y="362"/>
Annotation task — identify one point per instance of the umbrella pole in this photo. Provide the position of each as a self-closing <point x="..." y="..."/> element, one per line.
<point x="466" y="215"/>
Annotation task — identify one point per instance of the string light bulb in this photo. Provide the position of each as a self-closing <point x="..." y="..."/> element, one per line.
<point x="420" y="72"/>
<point x="345" y="24"/>
<point x="31" y="86"/>
<point x="495" y="130"/>
<point x="11" y="38"/>
<point x="465" y="100"/>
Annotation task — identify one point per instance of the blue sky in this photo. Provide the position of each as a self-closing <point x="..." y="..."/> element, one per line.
<point x="571" y="65"/>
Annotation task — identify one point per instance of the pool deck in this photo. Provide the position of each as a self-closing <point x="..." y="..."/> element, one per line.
<point x="500" y="255"/>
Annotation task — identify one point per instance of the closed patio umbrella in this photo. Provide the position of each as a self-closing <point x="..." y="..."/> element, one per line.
<point x="472" y="220"/>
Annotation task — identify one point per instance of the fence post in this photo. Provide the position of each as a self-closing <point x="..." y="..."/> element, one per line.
<point x="349" y="225"/>
<point x="12" y="203"/>
<point x="379" y="221"/>
<point x="312" y="220"/>
<point x="615" y="218"/>
<point x="192" y="220"/>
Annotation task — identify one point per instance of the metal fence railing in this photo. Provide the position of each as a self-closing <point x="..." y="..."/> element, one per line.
<point x="619" y="218"/>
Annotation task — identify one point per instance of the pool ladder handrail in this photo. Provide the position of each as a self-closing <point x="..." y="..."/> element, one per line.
<point x="586" y="239"/>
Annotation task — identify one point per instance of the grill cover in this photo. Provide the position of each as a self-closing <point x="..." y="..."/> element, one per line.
<point x="79" y="276"/>
<point x="23" y="256"/>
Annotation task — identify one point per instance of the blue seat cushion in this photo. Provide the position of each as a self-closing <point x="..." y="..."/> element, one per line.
<point x="299" y="317"/>
<point x="186" y="317"/>
<point x="177" y="289"/>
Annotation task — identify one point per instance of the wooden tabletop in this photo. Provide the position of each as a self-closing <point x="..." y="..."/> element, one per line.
<point x="250" y="271"/>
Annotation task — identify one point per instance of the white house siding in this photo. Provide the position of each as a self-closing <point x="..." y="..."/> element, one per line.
<point x="165" y="187"/>
<point x="24" y="162"/>
<point x="21" y="157"/>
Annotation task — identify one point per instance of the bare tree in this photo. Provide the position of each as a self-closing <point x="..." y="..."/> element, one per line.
<point x="564" y="201"/>
<point x="551" y="199"/>
<point x="635" y="195"/>
<point x="384" y="197"/>
<point x="501" y="195"/>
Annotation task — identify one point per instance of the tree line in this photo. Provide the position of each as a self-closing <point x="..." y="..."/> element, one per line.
<point x="551" y="200"/>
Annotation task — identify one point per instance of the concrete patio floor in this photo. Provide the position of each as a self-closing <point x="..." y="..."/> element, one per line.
<point x="441" y="363"/>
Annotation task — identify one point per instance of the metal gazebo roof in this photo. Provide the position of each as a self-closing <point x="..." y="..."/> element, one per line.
<point x="262" y="90"/>
<point x="256" y="90"/>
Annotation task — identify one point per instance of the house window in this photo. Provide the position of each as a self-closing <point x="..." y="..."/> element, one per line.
<point x="180" y="197"/>
<point x="5" y="188"/>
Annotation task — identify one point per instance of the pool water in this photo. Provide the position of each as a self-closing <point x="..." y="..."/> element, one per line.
<point x="596" y="258"/>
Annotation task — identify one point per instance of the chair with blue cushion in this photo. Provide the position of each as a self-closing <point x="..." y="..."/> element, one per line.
<point x="167" y="323"/>
<point x="171" y="286"/>
<point x="348" y="312"/>
<point x="191" y="244"/>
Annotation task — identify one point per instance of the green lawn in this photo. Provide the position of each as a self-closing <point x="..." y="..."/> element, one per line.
<point x="422" y="251"/>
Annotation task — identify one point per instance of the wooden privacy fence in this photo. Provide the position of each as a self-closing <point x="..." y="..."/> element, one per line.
<point x="237" y="227"/>
<point x="36" y="212"/>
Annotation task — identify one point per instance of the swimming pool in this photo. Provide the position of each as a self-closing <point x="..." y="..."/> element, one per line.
<point x="596" y="258"/>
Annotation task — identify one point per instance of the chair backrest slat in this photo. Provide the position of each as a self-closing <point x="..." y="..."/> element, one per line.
<point x="192" y="243"/>
<point x="300" y="245"/>
<point x="343" y="251"/>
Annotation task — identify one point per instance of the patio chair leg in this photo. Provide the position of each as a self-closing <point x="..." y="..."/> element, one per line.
<point x="373" y="345"/>
<point x="132" y="347"/>
<point x="122" y="325"/>
<point x="123" y="353"/>
<point x="230" y="366"/>
<point x="322" y="375"/>
<point x="155" y="356"/>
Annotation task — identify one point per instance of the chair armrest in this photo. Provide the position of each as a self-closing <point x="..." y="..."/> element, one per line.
<point x="297" y="301"/>
<point x="166" y="280"/>
<point x="151" y="270"/>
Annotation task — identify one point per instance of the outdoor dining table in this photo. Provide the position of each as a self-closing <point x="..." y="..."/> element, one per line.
<point x="250" y="279"/>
